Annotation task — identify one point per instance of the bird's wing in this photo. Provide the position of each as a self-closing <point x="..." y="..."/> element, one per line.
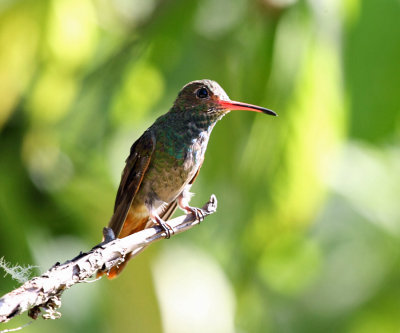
<point x="132" y="176"/>
<point x="196" y="174"/>
<point x="171" y="207"/>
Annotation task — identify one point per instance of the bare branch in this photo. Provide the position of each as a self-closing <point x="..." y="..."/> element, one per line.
<point x="45" y="291"/>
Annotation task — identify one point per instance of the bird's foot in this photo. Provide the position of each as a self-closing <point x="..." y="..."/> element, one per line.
<point x="169" y="231"/>
<point x="197" y="212"/>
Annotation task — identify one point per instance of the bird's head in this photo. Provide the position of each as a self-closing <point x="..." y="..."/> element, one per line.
<point x="207" y="96"/>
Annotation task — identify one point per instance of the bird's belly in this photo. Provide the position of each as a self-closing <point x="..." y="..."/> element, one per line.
<point x="171" y="182"/>
<point x="167" y="179"/>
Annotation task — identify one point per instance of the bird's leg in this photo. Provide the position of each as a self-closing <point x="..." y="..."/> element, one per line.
<point x="169" y="231"/>
<point x="197" y="212"/>
<point x="183" y="203"/>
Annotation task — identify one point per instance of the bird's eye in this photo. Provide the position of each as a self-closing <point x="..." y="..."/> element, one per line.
<point x="202" y="93"/>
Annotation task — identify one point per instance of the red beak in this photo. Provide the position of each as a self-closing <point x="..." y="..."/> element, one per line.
<point x="232" y="105"/>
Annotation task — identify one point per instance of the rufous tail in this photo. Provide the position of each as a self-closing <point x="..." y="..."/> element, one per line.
<point x="131" y="226"/>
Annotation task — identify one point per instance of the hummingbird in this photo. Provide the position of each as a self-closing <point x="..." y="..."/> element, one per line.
<point x="165" y="161"/>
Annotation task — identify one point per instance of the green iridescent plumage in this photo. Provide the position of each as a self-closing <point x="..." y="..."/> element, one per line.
<point x="166" y="159"/>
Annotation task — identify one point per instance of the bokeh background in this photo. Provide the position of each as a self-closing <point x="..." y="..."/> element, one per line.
<point x="307" y="234"/>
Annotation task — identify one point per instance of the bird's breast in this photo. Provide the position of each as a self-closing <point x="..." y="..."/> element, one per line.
<point x="173" y="165"/>
<point x="194" y="155"/>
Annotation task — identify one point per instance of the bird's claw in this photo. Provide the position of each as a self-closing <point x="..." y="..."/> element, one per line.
<point x="199" y="213"/>
<point x="169" y="231"/>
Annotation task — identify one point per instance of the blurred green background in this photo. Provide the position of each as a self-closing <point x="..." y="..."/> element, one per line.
<point x="307" y="234"/>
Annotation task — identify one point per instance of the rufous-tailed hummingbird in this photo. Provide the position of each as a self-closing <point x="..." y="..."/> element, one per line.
<point x="164" y="162"/>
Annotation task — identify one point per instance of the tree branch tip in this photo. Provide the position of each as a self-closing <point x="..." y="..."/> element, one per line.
<point x="211" y="205"/>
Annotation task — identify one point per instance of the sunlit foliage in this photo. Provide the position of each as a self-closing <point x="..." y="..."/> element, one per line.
<point x="307" y="235"/>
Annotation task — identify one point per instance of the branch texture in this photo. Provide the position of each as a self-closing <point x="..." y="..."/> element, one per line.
<point x="44" y="292"/>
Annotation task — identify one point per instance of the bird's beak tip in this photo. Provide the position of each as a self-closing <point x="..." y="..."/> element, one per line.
<point x="270" y="112"/>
